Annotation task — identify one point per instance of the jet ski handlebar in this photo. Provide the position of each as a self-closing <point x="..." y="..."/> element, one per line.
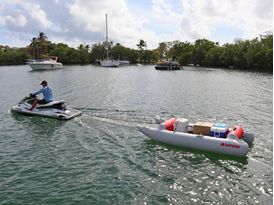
<point x="32" y="95"/>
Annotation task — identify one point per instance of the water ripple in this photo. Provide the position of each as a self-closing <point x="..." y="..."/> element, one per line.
<point x="101" y="158"/>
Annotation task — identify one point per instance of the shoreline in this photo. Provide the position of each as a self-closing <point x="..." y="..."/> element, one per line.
<point x="193" y="66"/>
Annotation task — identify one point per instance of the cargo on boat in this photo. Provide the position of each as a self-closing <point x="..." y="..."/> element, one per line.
<point x="207" y="136"/>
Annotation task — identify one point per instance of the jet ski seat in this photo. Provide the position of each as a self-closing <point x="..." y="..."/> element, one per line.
<point x="53" y="104"/>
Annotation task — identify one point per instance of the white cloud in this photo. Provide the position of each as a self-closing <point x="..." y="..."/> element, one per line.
<point x="168" y="18"/>
<point x="15" y="20"/>
<point x="38" y="15"/>
<point x="241" y="15"/>
<point x="24" y="14"/>
<point x="202" y="18"/>
<point x="78" y="21"/>
<point x="124" y="26"/>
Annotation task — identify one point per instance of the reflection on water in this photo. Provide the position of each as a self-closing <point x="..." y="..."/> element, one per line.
<point x="38" y="125"/>
<point x="214" y="157"/>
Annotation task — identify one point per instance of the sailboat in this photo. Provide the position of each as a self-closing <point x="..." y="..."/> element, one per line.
<point x="109" y="62"/>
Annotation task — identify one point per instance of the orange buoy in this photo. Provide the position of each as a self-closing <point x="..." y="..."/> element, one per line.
<point x="238" y="131"/>
<point x="169" y="124"/>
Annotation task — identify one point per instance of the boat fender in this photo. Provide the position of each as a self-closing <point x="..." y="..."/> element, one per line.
<point x="169" y="124"/>
<point x="238" y="131"/>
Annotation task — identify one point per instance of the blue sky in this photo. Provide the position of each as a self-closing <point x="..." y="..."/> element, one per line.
<point x="83" y="21"/>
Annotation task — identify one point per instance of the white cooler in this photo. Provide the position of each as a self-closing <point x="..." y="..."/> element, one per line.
<point x="181" y="125"/>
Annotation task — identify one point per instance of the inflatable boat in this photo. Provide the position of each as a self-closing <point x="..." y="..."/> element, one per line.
<point x="212" y="137"/>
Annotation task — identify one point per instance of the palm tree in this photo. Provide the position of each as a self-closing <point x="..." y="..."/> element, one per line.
<point x="87" y="47"/>
<point x="39" y="45"/>
<point x="142" y="44"/>
<point x="33" y="41"/>
<point x="81" y="47"/>
<point x="42" y="36"/>
<point x="34" y="47"/>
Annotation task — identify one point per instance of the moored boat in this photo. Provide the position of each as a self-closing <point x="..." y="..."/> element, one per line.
<point x="109" y="62"/>
<point x="45" y="64"/>
<point x="169" y="66"/>
<point x="124" y="62"/>
<point x="212" y="137"/>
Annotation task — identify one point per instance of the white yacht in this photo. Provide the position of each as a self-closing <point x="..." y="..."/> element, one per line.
<point x="45" y="64"/>
<point x="109" y="62"/>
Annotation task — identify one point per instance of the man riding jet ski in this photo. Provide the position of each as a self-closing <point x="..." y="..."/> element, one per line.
<point x="47" y="93"/>
<point x="46" y="107"/>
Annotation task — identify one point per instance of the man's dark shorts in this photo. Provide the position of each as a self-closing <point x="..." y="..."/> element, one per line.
<point x="42" y="102"/>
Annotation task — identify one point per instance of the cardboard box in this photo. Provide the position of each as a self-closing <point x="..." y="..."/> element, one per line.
<point x="202" y="128"/>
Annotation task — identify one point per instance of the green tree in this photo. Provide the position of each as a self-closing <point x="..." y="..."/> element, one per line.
<point x="73" y="56"/>
<point x="213" y="57"/>
<point x="182" y="51"/>
<point x="13" y="56"/>
<point x="255" y="54"/>
<point x="83" y="54"/>
<point x="96" y="53"/>
<point x="201" y="47"/>
<point x="141" y="45"/>
<point x="149" y="56"/>
<point x="61" y="51"/>
<point x="239" y="59"/>
<point x="40" y="46"/>
<point x="162" y="51"/>
<point x="227" y="56"/>
<point x="259" y="54"/>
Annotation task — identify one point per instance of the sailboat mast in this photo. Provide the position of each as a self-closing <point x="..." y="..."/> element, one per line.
<point x="107" y="28"/>
<point x="106" y="62"/>
<point x="107" y="33"/>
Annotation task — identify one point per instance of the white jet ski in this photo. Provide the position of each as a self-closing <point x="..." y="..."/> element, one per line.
<point x="54" y="109"/>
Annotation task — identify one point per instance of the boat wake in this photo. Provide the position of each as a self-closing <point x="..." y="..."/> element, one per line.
<point x="126" y="118"/>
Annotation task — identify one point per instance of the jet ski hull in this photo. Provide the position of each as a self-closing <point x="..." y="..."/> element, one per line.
<point x="50" y="113"/>
<point x="54" y="109"/>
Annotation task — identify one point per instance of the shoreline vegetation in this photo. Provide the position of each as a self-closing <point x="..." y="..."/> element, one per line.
<point x="252" y="55"/>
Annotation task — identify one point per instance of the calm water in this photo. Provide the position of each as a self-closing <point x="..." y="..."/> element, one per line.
<point x="101" y="158"/>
